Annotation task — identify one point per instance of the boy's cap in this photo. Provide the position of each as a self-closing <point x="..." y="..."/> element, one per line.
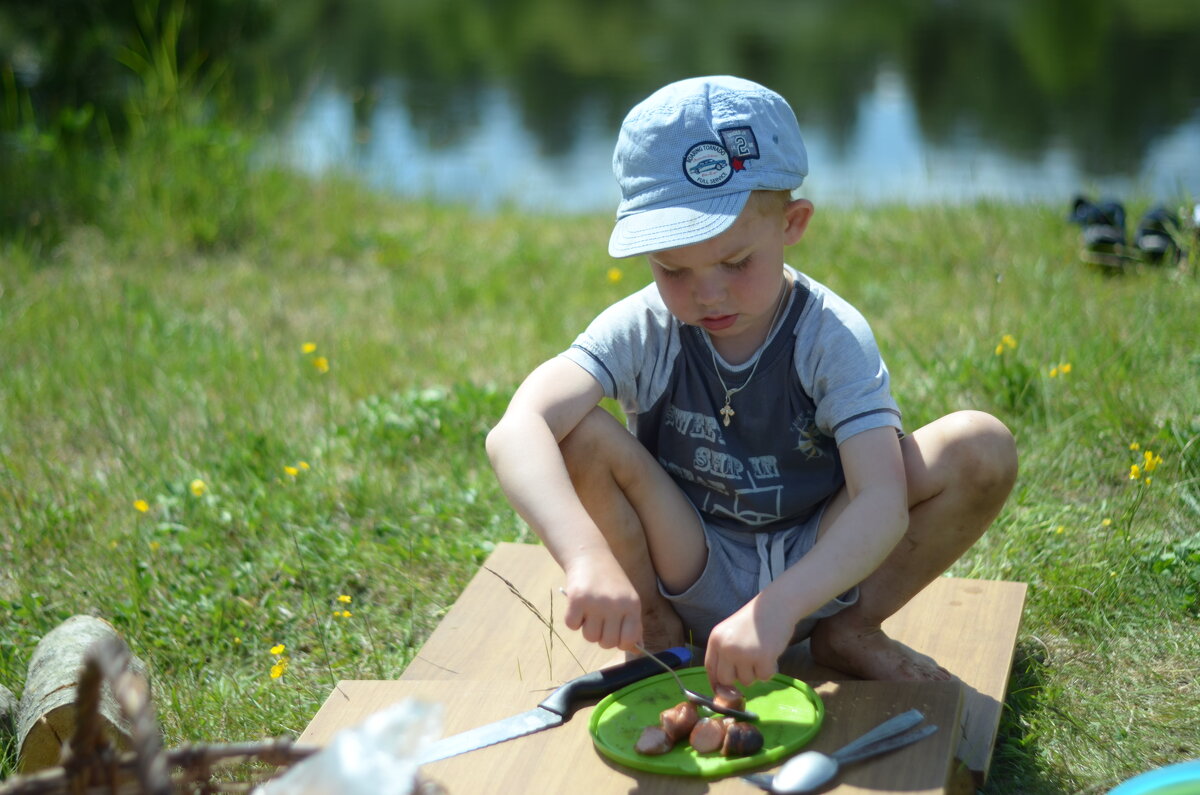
<point x="688" y="156"/>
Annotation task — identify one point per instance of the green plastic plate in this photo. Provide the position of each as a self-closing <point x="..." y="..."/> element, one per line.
<point x="789" y="715"/>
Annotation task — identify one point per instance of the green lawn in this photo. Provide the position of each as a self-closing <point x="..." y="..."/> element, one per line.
<point x="157" y="353"/>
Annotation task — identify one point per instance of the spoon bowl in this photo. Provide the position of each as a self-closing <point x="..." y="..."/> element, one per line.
<point x="805" y="772"/>
<point x="808" y="771"/>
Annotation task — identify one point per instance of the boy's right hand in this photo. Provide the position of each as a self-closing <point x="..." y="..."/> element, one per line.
<point x="602" y="603"/>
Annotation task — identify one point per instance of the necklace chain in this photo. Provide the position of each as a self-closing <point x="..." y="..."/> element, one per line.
<point x="727" y="411"/>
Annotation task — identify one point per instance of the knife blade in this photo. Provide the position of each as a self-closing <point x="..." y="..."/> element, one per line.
<point x="557" y="708"/>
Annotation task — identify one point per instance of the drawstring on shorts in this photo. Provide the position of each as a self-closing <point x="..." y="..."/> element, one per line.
<point x="771" y="555"/>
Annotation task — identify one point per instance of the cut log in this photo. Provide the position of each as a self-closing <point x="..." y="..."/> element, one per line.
<point x="46" y="714"/>
<point x="8" y="709"/>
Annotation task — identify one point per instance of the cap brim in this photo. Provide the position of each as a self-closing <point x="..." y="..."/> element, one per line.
<point x="661" y="228"/>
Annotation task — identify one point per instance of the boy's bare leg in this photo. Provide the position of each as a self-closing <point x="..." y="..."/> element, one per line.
<point x="651" y="528"/>
<point x="960" y="470"/>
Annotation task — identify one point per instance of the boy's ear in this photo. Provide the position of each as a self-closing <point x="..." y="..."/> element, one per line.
<point x="796" y="213"/>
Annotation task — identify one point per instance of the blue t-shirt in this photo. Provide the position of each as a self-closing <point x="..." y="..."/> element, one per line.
<point x="819" y="380"/>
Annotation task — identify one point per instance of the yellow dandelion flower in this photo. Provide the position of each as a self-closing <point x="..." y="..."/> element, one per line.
<point x="291" y="471"/>
<point x="1134" y="446"/>
<point x="1000" y="349"/>
<point x="1147" y="480"/>
<point x="1105" y="522"/>
<point x="277" y="669"/>
<point x="112" y="544"/>
<point x="237" y="641"/>
<point x="154" y="546"/>
<point x="1060" y="529"/>
<point x="322" y="364"/>
<point x="1009" y="341"/>
<point x="1054" y="372"/>
<point x="303" y="465"/>
<point x="345" y="599"/>
<point x="1064" y="368"/>
<point x="141" y="505"/>
<point x="198" y="487"/>
<point x="278" y="649"/>
<point x="1135" y="472"/>
<point x="308" y="347"/>
<point x="1150" y="461"/>
<point x="615" y="275"/>
<point x="346" y="614"/>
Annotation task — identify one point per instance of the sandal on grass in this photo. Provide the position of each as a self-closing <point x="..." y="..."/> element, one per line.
<point x="1103" y="230"/>
<point x="1155" y="237"/>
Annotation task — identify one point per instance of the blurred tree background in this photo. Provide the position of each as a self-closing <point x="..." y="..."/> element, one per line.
<point x="1101" y="78"/>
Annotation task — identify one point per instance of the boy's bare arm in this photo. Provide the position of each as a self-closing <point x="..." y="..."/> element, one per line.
<point x="524" y="451"/>
<point x="746" y="646"/>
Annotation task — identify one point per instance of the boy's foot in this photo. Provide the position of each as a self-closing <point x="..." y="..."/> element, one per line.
<point x="659" y="633"/>
<point x="871" y="654"/>
<point x="662" y="630"/>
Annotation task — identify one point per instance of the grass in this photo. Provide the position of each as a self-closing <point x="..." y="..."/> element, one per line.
<point x="154" y="351"/>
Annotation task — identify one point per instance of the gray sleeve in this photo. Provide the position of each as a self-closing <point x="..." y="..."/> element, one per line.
<point x="628" y="349"/>
<point x="840" y="367"/>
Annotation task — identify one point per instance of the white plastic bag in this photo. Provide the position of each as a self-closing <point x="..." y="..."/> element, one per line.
<point x="376" y="757"/>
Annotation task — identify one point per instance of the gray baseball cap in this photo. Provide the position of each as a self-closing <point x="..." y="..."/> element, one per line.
<point x="688" y="156"/>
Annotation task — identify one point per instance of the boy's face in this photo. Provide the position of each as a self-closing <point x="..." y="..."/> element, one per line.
<point x="730" y="284"/>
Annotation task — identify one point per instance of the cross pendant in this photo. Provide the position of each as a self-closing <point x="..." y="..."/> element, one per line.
<point x="727" y="412"/>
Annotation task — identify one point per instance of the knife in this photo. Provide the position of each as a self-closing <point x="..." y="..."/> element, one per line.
<point x="557" y="708"/>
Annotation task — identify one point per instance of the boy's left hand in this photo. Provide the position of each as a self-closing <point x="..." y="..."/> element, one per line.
<point x="745" y="648"/>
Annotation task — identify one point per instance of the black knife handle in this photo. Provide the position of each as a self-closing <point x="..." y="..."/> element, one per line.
<point x="598" y="684"/>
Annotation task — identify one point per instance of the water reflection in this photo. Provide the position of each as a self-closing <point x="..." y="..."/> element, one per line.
<point x="885" y="155"/>
<point x="518" y="101"/>
<point x="494" y="101"/>
<point x="492" y="162"/>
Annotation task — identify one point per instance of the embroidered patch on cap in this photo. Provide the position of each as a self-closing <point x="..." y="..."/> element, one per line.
<point x="707" y="165"/>
<point x="741" y="145"/>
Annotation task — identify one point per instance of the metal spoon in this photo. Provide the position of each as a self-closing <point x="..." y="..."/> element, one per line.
<point x="696" y="698"/>
<point x="806" y="772"/>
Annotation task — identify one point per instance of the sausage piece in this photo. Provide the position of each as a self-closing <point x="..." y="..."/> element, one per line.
<point x="729" y="697"/>
<point x="742" y="739"/>
<point x="654" y="742"/>
<point x="707" y="735"/>
<point x="679" y="720"/>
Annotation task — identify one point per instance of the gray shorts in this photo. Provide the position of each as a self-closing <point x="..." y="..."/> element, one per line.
<point x="740" y="564"/>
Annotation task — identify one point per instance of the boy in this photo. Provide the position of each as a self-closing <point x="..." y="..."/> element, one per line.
<point x="766" y="492"/>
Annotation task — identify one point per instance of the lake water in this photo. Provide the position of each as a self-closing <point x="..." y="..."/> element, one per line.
<point x="517" y="102"/>
<point x="884" y="158"/>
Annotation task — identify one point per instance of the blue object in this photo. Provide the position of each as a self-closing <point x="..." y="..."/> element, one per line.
<point x="1180" y="779"/>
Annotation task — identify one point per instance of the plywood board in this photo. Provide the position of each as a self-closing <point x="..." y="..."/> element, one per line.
<point x="506" y="630"/>
<point x="969" y="626"/>
<point x="489" y="633"/>
<point x="563" y="759"/>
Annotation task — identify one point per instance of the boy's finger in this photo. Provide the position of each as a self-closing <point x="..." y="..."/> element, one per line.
<point x="610" y="633"/>
<point x="631" y="632"/>
<point x="592" y="628"/>
<point x="715" y="665"/>
<point x="602" y="635"/>
<point x="574" y="616"/>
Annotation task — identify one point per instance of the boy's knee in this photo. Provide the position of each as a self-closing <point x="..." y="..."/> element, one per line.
<point x="985" y="452"/>
<point x="591" y="442"/>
